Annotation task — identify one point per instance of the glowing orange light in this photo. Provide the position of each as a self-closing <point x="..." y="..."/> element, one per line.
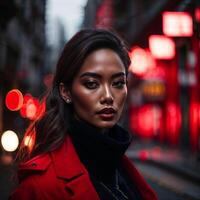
<point x="29" y="141"/>
<point x="161" y="47"/>
<point x="154" y="88"/>
<point x="177" y="24"/>
<point x="14" y="100"/>
<point x="141" y="61"/>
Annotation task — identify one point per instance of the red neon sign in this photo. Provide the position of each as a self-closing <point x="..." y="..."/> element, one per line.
<point x="177" y="24"/>
<point x="161" y="47"/>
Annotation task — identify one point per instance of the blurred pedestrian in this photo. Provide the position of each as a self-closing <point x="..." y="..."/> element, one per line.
<point x="76" y="149"/>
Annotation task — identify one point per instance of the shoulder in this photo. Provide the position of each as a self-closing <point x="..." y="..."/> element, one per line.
<point x="46" y="176"/>
<point x="33" y="176"/>
<point x="38" y="164"/>
<point x="37" y="179"/>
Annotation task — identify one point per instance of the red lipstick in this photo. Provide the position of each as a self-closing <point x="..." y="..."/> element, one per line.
<point x="107" y="113"/>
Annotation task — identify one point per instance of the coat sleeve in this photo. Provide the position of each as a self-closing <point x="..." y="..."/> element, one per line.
<point x="27" y="190"/>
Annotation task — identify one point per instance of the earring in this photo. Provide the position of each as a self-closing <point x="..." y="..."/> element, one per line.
<point x="68" y="100"/>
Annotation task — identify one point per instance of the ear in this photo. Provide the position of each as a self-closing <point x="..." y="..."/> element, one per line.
<point x="64" y="93"/>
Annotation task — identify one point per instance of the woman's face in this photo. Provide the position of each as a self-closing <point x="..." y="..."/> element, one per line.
<point x="99" y="89"/>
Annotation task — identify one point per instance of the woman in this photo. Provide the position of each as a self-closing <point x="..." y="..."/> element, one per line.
<point x="79" y="149"/>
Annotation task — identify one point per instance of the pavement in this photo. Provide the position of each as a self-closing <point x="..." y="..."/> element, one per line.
<point x="180" y="162"/>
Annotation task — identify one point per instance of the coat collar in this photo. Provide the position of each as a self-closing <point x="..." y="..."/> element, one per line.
<point x="65" y="160"/>
<point x="38" y="163"/>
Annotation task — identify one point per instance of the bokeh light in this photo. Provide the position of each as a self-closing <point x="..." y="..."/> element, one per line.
<point x="9" y="140"/>
<point x="14" y="100"/>
<point x="161" y="47"/>
<point x="141" y="61"/>
<point x="177" y="24"/>
<point x="30" y="107"/>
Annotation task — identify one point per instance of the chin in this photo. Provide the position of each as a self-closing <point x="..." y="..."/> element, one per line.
<point x="106" y="124"/>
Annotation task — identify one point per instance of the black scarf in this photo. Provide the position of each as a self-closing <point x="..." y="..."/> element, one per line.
<point x="99" y="152"/>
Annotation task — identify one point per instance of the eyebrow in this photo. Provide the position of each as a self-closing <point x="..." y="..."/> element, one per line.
<point x="96" y="75"/>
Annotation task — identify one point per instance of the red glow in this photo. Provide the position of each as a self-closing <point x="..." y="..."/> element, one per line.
<point x="14" y="100"/>
<point x="105" y="14"/>
<point x="157" y="72"/>
<point x="146" y="121"/>
<point x="30" y="108"/>
<point x="197" y="14"/>
<point x="177" y="24"/>
<point x="194" y="124"/>
<point x="141" y="61"/>
<point x="144" y="155"/>
<point x="173" y="122"/>
<point x="161" y="47"/>
<point x="27" y="97"/>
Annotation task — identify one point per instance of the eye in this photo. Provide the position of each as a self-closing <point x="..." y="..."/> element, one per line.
<point x="119" y="84"/>
<point x="91" y="84"/>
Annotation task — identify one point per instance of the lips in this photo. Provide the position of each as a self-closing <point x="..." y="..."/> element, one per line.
<point x="107" y="111"/>
<point x="107" y="114"/>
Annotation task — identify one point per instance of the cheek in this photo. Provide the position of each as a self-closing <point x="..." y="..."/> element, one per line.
<point x="83" y="101"/>
<point x="121" y="98"/>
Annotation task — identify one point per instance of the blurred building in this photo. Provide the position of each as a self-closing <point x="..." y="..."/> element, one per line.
<point x="55" y="47"/>
<point x="164" y="104"/>
<point x="22" y="51"/>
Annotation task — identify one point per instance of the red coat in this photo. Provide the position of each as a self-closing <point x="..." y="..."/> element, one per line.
<point x="59" y="175"/>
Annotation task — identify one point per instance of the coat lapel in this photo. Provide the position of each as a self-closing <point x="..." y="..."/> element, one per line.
<point x="68" y="167"/>
<point x="66" y="162"/>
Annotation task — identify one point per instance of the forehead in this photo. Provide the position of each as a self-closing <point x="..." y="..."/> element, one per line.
<point x="103" y="61"/>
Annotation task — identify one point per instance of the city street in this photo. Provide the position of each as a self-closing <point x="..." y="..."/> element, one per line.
<point x="167" y="185"/>
<point x="172" y="174"/>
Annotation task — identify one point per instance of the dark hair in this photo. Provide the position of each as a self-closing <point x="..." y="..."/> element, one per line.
<point x="50" y="130"/>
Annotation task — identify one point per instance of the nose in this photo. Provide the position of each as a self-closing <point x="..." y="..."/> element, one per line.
<point x="107" y="97"/>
